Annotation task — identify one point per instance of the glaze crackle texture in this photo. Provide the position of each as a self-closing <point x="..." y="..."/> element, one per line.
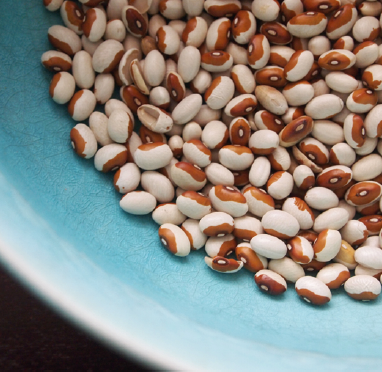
<point x="63" y="233"/>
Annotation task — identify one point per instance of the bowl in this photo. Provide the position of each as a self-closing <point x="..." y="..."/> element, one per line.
<point x="64" y="235"/>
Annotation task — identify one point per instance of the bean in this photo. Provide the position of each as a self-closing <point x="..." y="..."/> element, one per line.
<point x="251" y="260"/>
<point x="64" y="39"/>
<point x="220" y="246"/>
<point x="270" y="282"/>
<point x="300" y="250"/>
<point x="236" y="157"/>
<point x="276" y="33"/>
<point x="127" y="178"/>
<point x="313" y="290"/>
<point x="333" y="218"/>
<point x="62" y="87"/>
<point x="195" y="236"/>
<point x="110" y="157"/>
<point x="297" y="208"/>
<point x="287" y="268"/>
<point x="268" y="246"/>
<point x="152" y="156"/>
<point x="188" y="176"/>
<point x="342" y="21"/>
<point x="271" y="99"/>
<point x="94" y="25"/>
<point x="174" y="239"/>
<point x="217" y="224"/>
<point x="107" y="56"/>
<point x="83" y="140"/>
<point x="222" y="264"/>
<point x="243" y="26"/>
<point x="138" y="202"/>
<point x="154" y="118"/>
<point x="194" y="205"/>
<point x="363" y="287"/>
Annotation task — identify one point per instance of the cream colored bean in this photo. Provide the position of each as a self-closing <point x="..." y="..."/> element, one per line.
<point x="298" y="94"/>
<point x="187" y="109"/>
<point x="342" y="154"/>
<point x="259" y="201"/>
<point x="280" y="159"/>
<point x="341" y="82"/>
<point x="370" y="257"/>
<point x="363" y="287"/>
<point x="152" y="156"/>
<point x="138" y="202"/>
<point x="168" y="213"/>
<point x="103" y="87"/>
<point x="174" y="239"/>
<point x="220" y="92"/>
<point x="197" y="153"/>
<point x="201" y="82"/>
<point x="324" y="107"/>
<point x="334" y="275"/>
<point x="192" y="130"/>
<point x="115" y="29"/>
<point x="287" y="268"/>
<point x="271" y="99"/>
<point x="333" y="218"/>
<point x="154" y="118"/>
<point x="366" y="54"/>
<point x="320" y="87"/>
<point x="372" y="77"/>
<point x="361" y="270"/>
<point x="206" y="115"/>
<point x="327" y="132"/>
<point x="260" y="171"/>
<point x="217" y="174"/>
<point x="158" y="185"/>
<point x="373" y="123"/>
<point x="266" y="10"/>
<point x="120" y="126"/>
<point x="98" y="124"/>
<point x="307" y="25"/>
<point x="280" y="224"/>
<point x="268" y="246"/>
<point x="195" y="236"/>
<point x="115" y="104"/>
<point x="367" y="168"/>
<point x="354" y="232"/>
<point x="127" y="178"/>
<point x="313" y="290"/>
<point x="155" y="68"/>
<point x="189" y="63"/>
<point x="297" y="208"/>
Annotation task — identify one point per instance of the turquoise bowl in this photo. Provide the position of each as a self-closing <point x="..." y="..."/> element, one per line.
<point x="63" y="234"/>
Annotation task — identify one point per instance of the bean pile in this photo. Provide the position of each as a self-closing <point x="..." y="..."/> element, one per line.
<point x="261" y="129"/>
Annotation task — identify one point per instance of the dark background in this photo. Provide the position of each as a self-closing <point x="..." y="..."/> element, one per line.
<point x="33" y="337"/>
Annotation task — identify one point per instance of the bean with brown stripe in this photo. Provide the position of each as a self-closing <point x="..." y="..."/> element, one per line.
<point x="188" y="176"/>
<point x="72" y="16"/>
<point x="174" y="239"/>
<point x="110" y="157"/>
<point x="133" y="98"/>
<point x="168" y="41"/>
<point x="327" y="245"/>
<point x="216" y="61"/>
<point x="227" y="199"/>
<point x="218" y="34"/>
<point x="280" y="55"/>
<point x="148" y="136"/>
<point x="363" y="287"/>
<point x="314" y="150"/>
<point x="290" y="8"/>
<point x="259" y="201"/>
<point x="280" y="224"/>
<point x="64" y="39"/>
<point x="239" y="131"/>
<point x="217" y="224"/>
<point x="307" y="24"/>
<point x="222" y="9"/>
<point x="56" y="61"/>
<point x="152" y="156"/>
<point x="243" y="26"/>
<point x="344" y="42"/>
<point x="363" y="193"/>
<point x="175" y="86"/>
<point x="247" y="227"/>
<point x="334" y="177"/>
<point x="107" y="56"/>
<point x="83" y="141"/>
<point x="366" y="29"/>
<point x="241" y="178"/>
<point x="266" y="120"/>
<point x="263" y="142"/>
<point x="243" y="79"/>
<point x="337" y="60"/>
<point x="62" y="87"/>
<point x="304" y="177"/>
<point x="197" y="153"/>
<point x="272" y="76"/>
<point x="241" y="105"/>
<point x="223" y="265"/>
<point x="220" y="92"/>
<point x="276" y="33"/>
<point x="313" y="290"/>
<point x="220" y="246"/>
<point x="341" y="22"/>
<point x="361" y="100"/>
<point x="252" y="261"/>
<point x="372" y="77"/>
<point x="270" y="282"/>
<point x="300" y="250"/>
<point x="193" y="204"/>
<point x="195" y="32"/>
<point x="373" y="223"/>
<point x="334" y="275"/>
<point x="94" y="25"/>
<point x="295" y="131"/>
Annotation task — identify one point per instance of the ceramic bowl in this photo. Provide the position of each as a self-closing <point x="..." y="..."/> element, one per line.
<point x="63" y="233"/>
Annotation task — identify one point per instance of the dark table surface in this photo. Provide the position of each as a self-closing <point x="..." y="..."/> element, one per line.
<point x="34" y="338"/>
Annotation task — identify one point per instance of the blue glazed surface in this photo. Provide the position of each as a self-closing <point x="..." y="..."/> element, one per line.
<point x="63" y="233"/>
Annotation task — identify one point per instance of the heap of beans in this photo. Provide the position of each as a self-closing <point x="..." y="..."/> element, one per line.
<point x="261" y="129"/>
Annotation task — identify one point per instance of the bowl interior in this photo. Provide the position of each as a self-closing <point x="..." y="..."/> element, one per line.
<point x="62" y="231"/>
